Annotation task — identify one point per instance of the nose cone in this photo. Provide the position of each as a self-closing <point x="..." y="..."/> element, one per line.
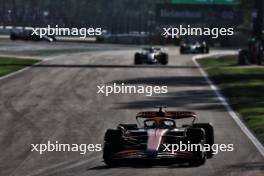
<point x="154" y="141"/>
<point x="150" y="56"/>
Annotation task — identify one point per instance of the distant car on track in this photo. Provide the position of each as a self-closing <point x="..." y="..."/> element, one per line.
<point x="195" y="47"/>
<point x="26" y="34"/>
<point x="145" y="141"/>
<point x="151" y="56"/>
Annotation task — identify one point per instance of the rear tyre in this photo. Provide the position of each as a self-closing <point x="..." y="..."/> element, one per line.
<point x="206" y="50"/>
<point x="182" y="50"/>
<point x="112" y="144"/>
<point x="12" y="36"/>
<point x="164" y="59"/>
<point x="197" y="136"/>
<point x="107" y="153"/>
<point x="209" y="135"/>
<point x="199" y="160"/>
<point x="137" y="59"/>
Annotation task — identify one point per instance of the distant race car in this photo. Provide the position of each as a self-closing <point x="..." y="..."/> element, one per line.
<point x="195" y="47"/>
<point x="145" y="141"/>
<point x="26" y="34"/>
<point x="151" y="56"/>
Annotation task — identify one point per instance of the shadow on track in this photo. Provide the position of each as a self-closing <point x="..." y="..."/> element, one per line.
<point x="248" y="166"/>
<point x="140" y="166"/>
<point x="198" y="97"/>
<point x="165" y="81"/>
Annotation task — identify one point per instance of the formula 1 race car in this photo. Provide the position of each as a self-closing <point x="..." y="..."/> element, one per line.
<point x="150" y="139"/>
<point x="27" y="35"/>
<point x="151" y="56"/>
<point x="195" y="47"/>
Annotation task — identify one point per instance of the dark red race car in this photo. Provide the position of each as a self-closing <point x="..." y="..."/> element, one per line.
<point x="155" y="137"/>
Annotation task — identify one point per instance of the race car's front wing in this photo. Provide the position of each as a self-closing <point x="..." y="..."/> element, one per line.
<point x="193" y="50"/>
<point x="178" y="156"/>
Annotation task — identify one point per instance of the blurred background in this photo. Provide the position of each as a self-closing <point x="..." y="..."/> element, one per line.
<point x="133" y="21"/>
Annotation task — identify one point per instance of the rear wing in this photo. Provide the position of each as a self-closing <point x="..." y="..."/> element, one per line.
<point x="167" y="114"/>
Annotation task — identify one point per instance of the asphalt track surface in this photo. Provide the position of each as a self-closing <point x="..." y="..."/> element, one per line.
<point x="58" y="100"/>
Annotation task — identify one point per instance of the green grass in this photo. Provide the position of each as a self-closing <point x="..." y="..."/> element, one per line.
<point x="243" y="86"/>
<point x="10" y="64"/>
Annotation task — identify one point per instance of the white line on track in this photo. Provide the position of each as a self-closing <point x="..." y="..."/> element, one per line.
<point x="229" y="109"/>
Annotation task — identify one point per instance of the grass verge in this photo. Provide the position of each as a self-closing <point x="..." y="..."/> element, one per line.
<point x="243" y="86"/>
<point x="10" y="64"/>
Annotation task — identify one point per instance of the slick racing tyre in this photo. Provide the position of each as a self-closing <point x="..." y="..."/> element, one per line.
<point x="206" y="50"/>
<point x="197" y="136"/>
<point x="164" y="59"/>
<point x="200" y="159"/>
<point x="209" y="135"/>
<point x="13" y="36"/>
<point x="137" y="59"/>
<point x="112" y="144"/>
<point x="182" y="50"/>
